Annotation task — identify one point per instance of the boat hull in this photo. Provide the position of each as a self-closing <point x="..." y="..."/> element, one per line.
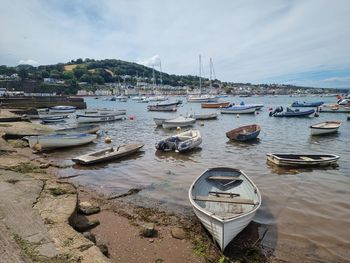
<point x="98" y="118"/>
<point x="168" y="124"/>
<point x="59" y="141"/>
<point x="320" y="131"/>
<point x="244" y="133"/>
<point x="238" y="110"/>
<point x="293" y="162"/>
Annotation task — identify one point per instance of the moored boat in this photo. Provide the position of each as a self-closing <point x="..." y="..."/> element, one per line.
<point x="202" y="98"/>
<point x="215" y="105"/>
<point x="165" y="106"/>
<point x="225" y="200"/>
<point x="307" y="104"/>
<point x="208" y="116"/>
<point x="278" y="112"/>
<point x="181" y="142"/>
<point x="239" y="109"/>
<point x="159" y="121"/>
<point x="99" y="117"/>
<point x="244" y="133"/>
<point x="300" y="160"/>
<point x="62" y="109"/>
<point x="178" y="122"/>
<point x="53" y="141"/>
<point x="108" y="154"/>
<point x="53" y="119"/>
<point x="325" y="127"/>
<point x="91" y="129"/>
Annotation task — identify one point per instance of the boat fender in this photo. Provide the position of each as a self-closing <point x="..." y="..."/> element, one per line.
<point x="178" y="128"/>
<point x="237" y="115"/>
<point x="108" y="140"/>
<point x="37" y="147"/>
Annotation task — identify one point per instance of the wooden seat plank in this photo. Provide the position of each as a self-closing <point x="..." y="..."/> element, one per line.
<point x="224" y="178"/>
<point x="233" y="200"/>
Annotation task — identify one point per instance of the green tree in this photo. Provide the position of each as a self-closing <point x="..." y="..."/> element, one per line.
<point x="79" y="72"/>
<point x="85" y="78"/>
<point x="68" y="75"/>
<point x="55" y="74"/>
<point x="97" y="79"/>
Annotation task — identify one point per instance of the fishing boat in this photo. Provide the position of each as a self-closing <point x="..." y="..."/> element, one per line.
<point x="178" y="122"/>
<point x="278" y="112"/>
<point x="215" y="105"/>
<point x="62" y="109"/>
<point x="296" y="160"/>
<point x="159" y="121"/>
<point x="244" y="133"/>
<point x="108" y="154"/>
<point x="225" y="200"/>
<point x="307" y="104"/>
<point x="239" y="109"/>
<point x="181" y="142"/>
<point x="53" y="119"/>
<point x="169" y="106"/>
<point x="208" y="116"/>
<point x="91" y="129"/>
<point x="325" y="127"/>
<point x="99" y="117"/>
<point x="53" y="141"/>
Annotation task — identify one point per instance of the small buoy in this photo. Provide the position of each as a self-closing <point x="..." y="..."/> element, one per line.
<point x="131" y="117"/>
<point x="317" y="114"/>
<point x="37" y="147"/>
<point x="257" y="113"/>
<point x="108" y="140"/>
<point x="178" y="128"/>
<point x="201" y="124"/>
<point x="270" y="109"/>
<point x="237" y="115"/>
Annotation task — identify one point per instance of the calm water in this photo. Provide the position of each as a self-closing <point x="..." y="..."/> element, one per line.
<point x="306" y="212"/>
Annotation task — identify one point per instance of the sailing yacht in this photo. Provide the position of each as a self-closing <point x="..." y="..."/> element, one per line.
<point x="202" y="97"/>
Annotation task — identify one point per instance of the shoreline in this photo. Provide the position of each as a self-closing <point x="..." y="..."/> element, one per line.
<point x="120" y="222"/>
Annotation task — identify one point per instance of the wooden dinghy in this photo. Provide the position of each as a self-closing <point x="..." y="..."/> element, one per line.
<point x="325" y="127"/>
<point x="181" y="142"/>
<point x="302" y="160"/>
<point x="108" y="154"/>
<point x="215" y="105"/>
<point x="244" y="133"/>
<point x="225" y="200"/>
<point x="240" y="109"/>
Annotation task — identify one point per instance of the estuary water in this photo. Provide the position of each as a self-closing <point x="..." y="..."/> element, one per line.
<point x="306" y="211"/>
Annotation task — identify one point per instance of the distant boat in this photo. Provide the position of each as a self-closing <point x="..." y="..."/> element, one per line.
<point x="62" y="109"/>
<point x="105" y="111"/>
<point x="165" y="106"/>
<point x="215" y="105"/>
<point x="122" y="98"/>
<point x="300" y="160"/>
<point x="239" y="109"/>
<point x="335" y="108"/>
<point x="202" y="98"/>
<point x="157" y="98"/>
<point x="307" y="104"/>
<point x="53" y="119"/>
<point x="91" y="129"/>
<point x="108" y="154"/>
<point x="53" y="141"/>
<point x="225" y="200"/>
<point x="208" y="116"/>
<point x="99" y="117"/>
<point x="181" y="142"/>
<point x="178" y="122"/>
<point x="278" y="112"/>
<point x="325" y="127"/>
<point x="244" y="133"/>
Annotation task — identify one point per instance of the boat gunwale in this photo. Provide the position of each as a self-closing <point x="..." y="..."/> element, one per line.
<point x="332" y="158"/>
<point x="325" y="128"/>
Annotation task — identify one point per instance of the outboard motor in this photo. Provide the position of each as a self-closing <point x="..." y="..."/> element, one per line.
<point x="277" y="110"/>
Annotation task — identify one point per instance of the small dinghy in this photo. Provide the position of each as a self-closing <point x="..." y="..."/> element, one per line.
<point x="181" y="142"/>
<point x="53" y="119"/>
<point x="325" y="127"/>
<point x="300" y="160"/>
<point x="62" y="109"/>
<point x="209" y="116"/>
<point x="53" y="141"/>
<point x="108" y="154"/>
<point x="99" y="117"/>
<point x="225" y="200"/>
<point x="239" y="109"/>
<point x="244" y="133"/>
<point x="91" y="129"/>
<point x="215" y="105"/>
<point x="178" y="122"/>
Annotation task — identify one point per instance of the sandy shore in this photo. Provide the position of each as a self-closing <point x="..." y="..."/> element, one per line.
<point x="120" y="225"/>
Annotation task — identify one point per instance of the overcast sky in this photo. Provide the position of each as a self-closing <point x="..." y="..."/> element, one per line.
<point x="302" y="42"/>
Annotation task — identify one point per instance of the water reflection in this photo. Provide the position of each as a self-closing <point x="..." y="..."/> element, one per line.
<point x="177" y="156"/>
<point x="283" y="170"/>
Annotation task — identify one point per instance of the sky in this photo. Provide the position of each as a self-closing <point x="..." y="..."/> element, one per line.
<point x="301" y="42"/>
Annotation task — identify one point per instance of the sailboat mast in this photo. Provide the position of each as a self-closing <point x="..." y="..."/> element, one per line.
<point x="160" y="68"/>
<point x="211" y="71"/>
<point x="154" y="79"/>
<point x="200" y="74"/>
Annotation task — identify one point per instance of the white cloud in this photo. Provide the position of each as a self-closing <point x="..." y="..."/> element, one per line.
<point x="28" y="62"/>
<point x="249" y="41"/>
<point x="149" y="62"/>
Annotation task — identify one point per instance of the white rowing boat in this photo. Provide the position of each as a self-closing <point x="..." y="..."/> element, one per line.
<point x="325" y="127"/>
<point x="225" y="200"/>
<point x="208" y="116"/>
<point x="62" y="109"/>
<point x="99" y="117"/>
<point x="178" y="122"/>
<point x="302" y="160"/>
<point x="181" y="142"/>
<point x="53" y="141"/>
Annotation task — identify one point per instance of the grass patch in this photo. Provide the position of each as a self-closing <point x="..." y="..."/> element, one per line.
<point x="60" y="191"/>
<point x="24" y="168"/>
<point x="200" y="248"/>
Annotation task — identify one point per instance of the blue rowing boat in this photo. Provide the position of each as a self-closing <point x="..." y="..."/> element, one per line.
<point x="297" y="104"/>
